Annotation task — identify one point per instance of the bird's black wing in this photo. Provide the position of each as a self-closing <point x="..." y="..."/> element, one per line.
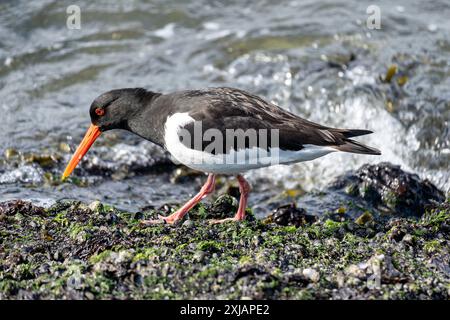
<point x="233" y="109"/>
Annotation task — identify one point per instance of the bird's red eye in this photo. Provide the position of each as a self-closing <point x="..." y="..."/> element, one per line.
<point x="99" y="111"/>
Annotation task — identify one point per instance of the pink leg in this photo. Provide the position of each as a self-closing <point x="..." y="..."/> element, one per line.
<point x="244" y="188"/>
<point x="207" y="188"/>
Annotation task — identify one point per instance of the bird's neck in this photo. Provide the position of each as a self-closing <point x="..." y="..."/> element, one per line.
<point x="145" y="121"/>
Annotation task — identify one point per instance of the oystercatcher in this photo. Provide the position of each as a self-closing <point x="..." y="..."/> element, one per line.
<point x="216" y="131"/>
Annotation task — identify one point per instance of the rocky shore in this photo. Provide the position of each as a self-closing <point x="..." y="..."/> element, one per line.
<point x="375" y="233"/>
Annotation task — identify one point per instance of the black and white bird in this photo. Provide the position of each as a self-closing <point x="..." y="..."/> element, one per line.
<point x="216" y="131"/>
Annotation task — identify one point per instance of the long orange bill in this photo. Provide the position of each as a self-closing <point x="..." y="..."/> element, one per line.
<point x="89" y="138"/>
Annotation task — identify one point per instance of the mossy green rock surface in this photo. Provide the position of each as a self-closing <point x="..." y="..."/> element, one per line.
<point x="73" y="250"/>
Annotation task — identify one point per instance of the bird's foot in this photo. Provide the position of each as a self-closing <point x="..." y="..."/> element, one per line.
<point x="172" y="219"/>
<point x="181" y="212"/>
<point x="217" y="221"/>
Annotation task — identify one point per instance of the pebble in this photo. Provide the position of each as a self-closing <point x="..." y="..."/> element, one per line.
<point x="311" y="274"/>
<point x="89" y="295"/>
<point x="408" y="239"/>
<point x="364" y="218"/>
<point x="340" y="279"/>
<point x="64" y="147"/>
<point x="95" y="206"/>
<point x="356" y="271"/>
<point x="199" y="256"/>
<point x="10" y="153"/>
<point x="188" y="224"/>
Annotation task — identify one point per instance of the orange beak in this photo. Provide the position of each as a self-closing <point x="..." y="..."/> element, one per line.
<point x="89" y="138"/>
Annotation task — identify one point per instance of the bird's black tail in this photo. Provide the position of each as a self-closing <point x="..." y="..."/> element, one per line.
<point x="353" y="146"/>
<point x="350" y="133"/>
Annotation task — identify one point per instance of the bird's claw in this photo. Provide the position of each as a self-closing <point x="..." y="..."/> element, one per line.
<point x="161" y="220"/>
<point x="152" y="222"/>
<point x="217" y="221"/>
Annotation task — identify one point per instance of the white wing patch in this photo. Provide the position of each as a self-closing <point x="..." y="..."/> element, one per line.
<point x="234" y="161"/>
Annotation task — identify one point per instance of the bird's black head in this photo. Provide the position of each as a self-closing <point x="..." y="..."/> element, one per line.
<point x="114" y="108"/>
<point x="111" y="110"/>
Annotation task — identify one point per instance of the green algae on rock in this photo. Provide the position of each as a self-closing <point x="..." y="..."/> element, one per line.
<point x="389" y="189"/>
<point x="74" y="250"/>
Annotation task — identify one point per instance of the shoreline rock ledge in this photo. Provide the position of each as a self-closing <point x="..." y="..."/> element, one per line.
<point x="375" y="233"/>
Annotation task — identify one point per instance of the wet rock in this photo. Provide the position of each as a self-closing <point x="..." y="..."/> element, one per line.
<point x="375" y="271"/>
<point x="364" y="218"/>
<point x="113" y="262"/>
<point x="125" y="160"/>
<point x="409" y="239"/>
<point x="89" y="295"/>
<point x="232" y="190"/>
<point x="118" y="161"/>
<point x="44" y="160"/>
<point x="11" y="153"/>
<point x="138" y="215"/>
<point x="96" y="206"/>
<point x="225" y="206"/>
<point x="60" y="206"/>
<point x="356" y="271"/>
<point x="396" y="233"/>
<point x="199" y="256"/>
<point x="290" y="215"/>
<point x="390" y="73"/>
<point x="341" y="60"/>
<point x="381" y="265"/>
<point x="256" y="282"/>
<point x="388" y="188"/>
<point x="188" y="224"/>
<point x="88" y="257"/>
<point x="311" y="274"/>
<point x="64" y="147"/>
<point x="111" y="218"/>
<point x="341" y="210"/>
<point x="10" y="208"/>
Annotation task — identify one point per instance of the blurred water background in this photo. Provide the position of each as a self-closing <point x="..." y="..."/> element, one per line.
<point x="316" y="58"/>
